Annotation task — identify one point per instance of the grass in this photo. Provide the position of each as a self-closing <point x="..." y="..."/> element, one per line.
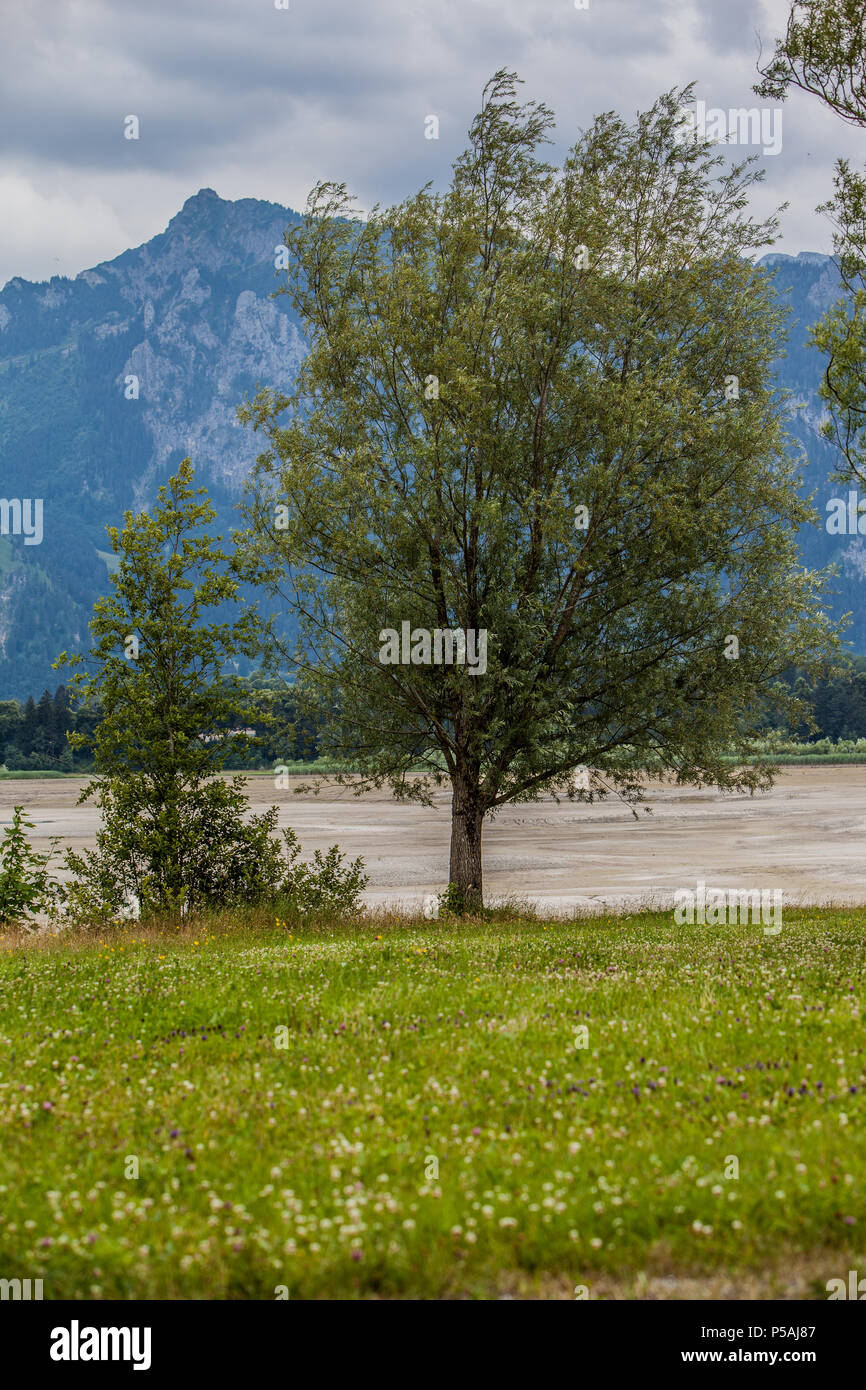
<point x="782" y="752"/>
<point x="814" y="759"/>
<point x="30" y="773"/>
<point x="411" y="1109"/>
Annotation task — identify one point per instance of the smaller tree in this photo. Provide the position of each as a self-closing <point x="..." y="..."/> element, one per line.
<point x="26" y="886"/>
<point x="174" y="833"/>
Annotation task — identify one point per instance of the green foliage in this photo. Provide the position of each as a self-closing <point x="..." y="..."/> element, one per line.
<point x="326" y="885"/>
<point x="173" y="834"/>
<point x="824" y="53"/>
<point x="835" y="700"/>
<point x="218" y="857"/>
<point x="780" y="748"/>
<point x="454" y="900"/>
<point x="158" y="658"/>
<point x="26" y="886"/>
<point x="224" y="858"/>
<point x="482" y="363"/>
<point x="35" y="736"/>
<point x="841" y="333"/>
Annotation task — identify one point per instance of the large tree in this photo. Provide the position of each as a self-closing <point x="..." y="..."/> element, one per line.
<point x="823" y="53"/>
<point x="537" y="405"/>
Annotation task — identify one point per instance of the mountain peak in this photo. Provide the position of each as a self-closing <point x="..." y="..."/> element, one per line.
<point x="778" y="258"/>
<point x="198" y="207"/>
<point x="204" y="195"/>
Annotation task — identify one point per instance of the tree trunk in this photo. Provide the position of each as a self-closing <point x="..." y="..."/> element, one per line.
<point x="466" y="824"/>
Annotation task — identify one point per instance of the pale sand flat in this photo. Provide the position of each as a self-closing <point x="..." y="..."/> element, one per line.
<point x="807" y="837"/>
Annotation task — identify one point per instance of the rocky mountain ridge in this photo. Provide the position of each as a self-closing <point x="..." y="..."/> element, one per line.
<point x="109" y="379"/>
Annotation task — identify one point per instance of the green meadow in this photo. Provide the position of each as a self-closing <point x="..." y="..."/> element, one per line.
<point x="251" y="1109"/>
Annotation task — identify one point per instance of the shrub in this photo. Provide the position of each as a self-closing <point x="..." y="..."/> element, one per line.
<point x="325" y="885"/>
<point x="26" y="886"/>
<point x="453" y="900"/>
<point x="218" y="857"/>
<point x="208" y="856"/>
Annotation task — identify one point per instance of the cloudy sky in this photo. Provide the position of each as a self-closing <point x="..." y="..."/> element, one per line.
<point x="256" y="101"/>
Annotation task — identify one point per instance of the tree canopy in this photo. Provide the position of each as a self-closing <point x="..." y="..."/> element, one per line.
<point x="537" y="407"/>
<point x="173" y="834"/>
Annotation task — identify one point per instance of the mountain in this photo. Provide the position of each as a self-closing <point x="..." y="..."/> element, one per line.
<point x="108" y="380"/>
<point x="810" y="283"/>
<point x="189" y="315"/>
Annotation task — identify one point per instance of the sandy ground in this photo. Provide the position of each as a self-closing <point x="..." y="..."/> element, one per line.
<point x="807" y="837"/>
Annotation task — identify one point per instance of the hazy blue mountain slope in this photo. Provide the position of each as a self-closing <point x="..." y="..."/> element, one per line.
<point x="190" y="315"/>
<point x="810" y="284"/>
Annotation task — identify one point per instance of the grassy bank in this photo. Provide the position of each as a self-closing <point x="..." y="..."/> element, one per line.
<point x="414" y="1110"/>
<point x="824" y="753"/>
<point x="30" y="774"/>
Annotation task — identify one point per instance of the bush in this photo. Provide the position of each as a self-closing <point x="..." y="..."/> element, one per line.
<point x="453" y="900"/>
<point x="324" y="885"/>
<point x="209" y="856"/>
<point x="214" y="857"/>
<point x="26" y="886"/>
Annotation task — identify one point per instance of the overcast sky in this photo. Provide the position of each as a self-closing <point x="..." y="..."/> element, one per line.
<point x="256" y="101"/>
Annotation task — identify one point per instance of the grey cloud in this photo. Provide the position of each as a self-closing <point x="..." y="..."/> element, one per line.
<point x="206" y="76"/>
<point x="731" y="27"/>
<point x="255" y="101"/>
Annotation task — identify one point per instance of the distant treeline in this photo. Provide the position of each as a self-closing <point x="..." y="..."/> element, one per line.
<point x="33" y="735"/>
<point x="838" y="703"/>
